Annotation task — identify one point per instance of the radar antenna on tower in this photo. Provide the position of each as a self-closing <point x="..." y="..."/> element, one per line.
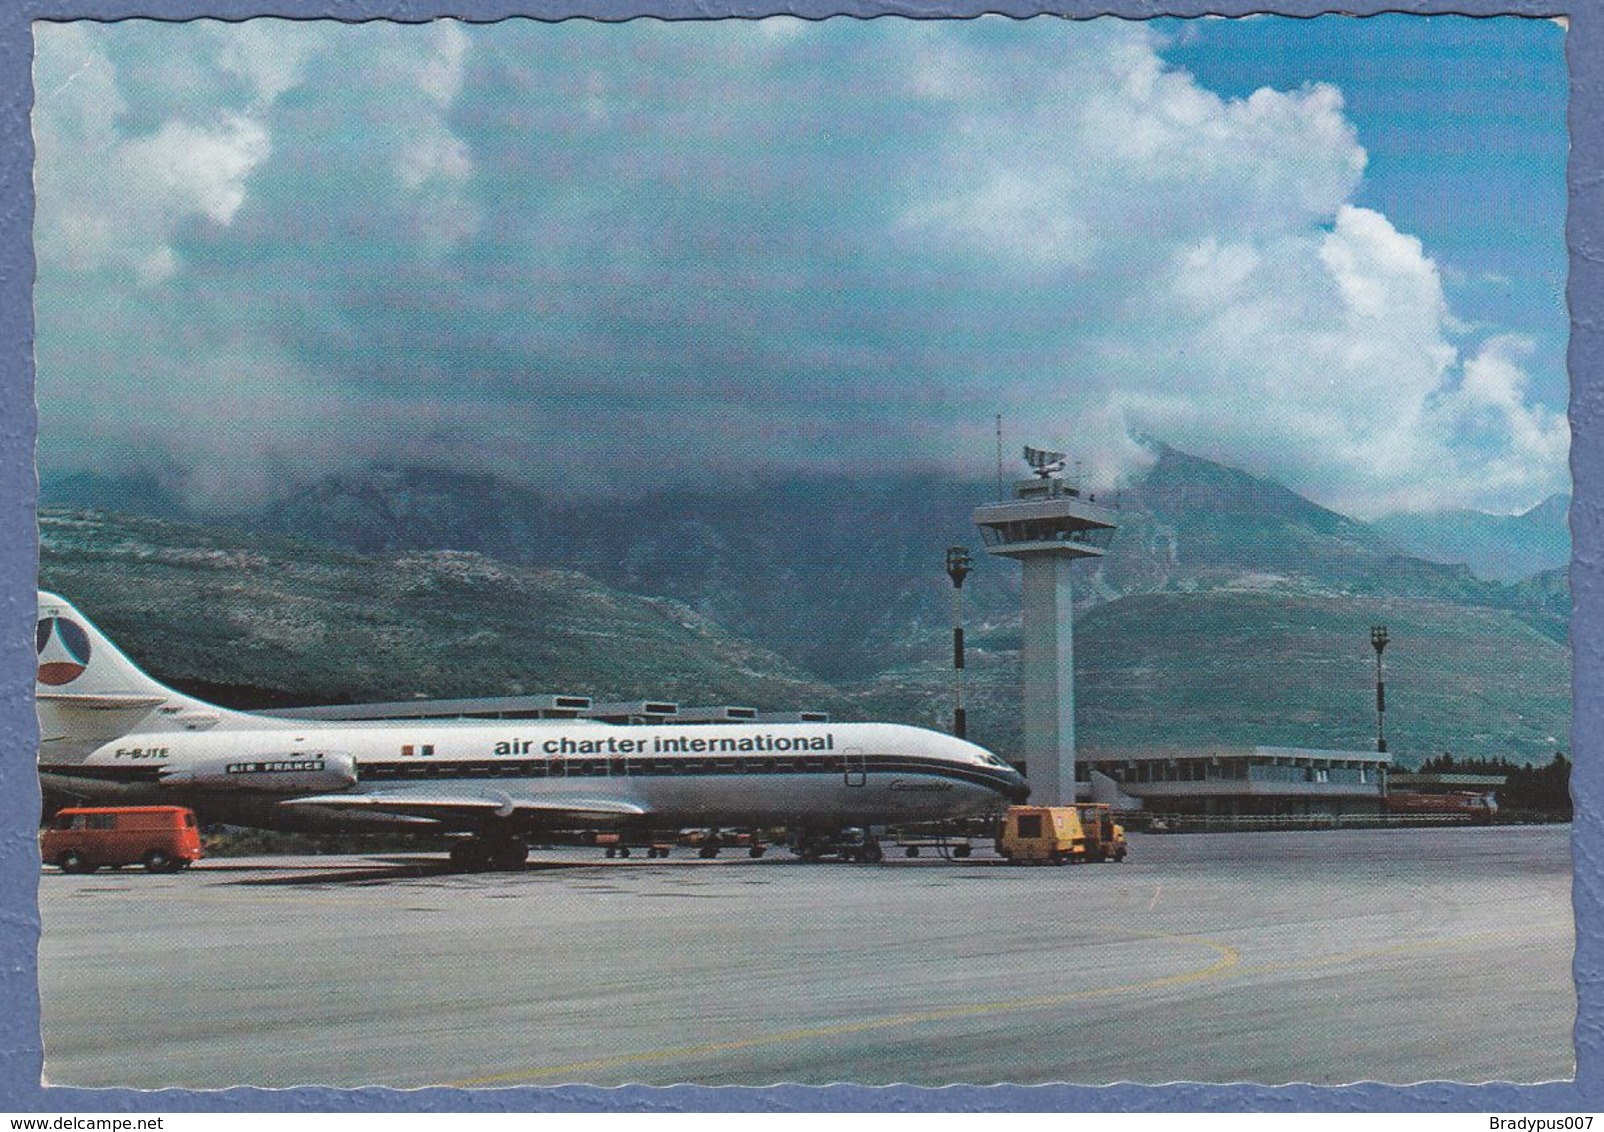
<point x="1045" y="463"/>
<point x="1047" y="525"/>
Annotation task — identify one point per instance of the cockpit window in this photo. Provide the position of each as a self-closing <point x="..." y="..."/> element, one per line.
<point x="995" y="760"/>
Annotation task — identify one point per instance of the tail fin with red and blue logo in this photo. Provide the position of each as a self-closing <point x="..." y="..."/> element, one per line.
<point x="88" y="692"/>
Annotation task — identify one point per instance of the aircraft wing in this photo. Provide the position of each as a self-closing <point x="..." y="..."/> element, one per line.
<point x="444" y="805"/>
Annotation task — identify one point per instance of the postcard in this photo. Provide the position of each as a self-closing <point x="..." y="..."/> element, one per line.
<point x="782" y="551"/>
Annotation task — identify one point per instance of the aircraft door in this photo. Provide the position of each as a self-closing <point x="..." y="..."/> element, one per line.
<point x="854" y="769"/>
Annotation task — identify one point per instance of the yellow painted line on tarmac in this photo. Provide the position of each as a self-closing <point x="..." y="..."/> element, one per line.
<point x="1229" y="960"/>
<point x="1228" y="957"/>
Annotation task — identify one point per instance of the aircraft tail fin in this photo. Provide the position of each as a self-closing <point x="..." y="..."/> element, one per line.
<point x="88" y="692"/>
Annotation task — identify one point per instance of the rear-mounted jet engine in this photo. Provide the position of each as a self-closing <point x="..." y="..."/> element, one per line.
<point x="291" y="773"/>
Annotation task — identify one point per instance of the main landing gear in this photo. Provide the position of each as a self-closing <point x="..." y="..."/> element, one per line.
<point x="489" y="854"/>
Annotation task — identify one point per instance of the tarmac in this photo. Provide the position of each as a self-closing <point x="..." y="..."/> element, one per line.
<point x="1326" y="957"/>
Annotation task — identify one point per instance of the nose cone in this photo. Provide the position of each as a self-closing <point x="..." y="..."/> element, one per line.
<point x="1006" y="781"/>
<point x="995" y="772"/>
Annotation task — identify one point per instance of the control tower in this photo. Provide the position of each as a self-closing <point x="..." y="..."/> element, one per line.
<point x="1046" y="526"/>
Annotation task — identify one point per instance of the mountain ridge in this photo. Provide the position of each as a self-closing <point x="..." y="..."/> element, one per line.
<point x="844" y="575"/>
<point x="1504" y="548"/>
<point x="855" y="616"/>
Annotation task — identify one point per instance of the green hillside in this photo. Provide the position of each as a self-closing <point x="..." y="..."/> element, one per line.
<point x="254" y="620"/>
<point x="1278" y="668"/>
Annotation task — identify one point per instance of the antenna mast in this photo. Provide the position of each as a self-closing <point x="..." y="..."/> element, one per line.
<point x="1378" y="641"/>
<point x="999" y="457"/>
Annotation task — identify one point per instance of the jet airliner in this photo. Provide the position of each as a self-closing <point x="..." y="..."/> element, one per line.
<point x="111" y="734"/>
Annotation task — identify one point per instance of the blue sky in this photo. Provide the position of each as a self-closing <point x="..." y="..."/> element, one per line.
<point x="1463" y="122"/>
<point x="1326" y="250"/>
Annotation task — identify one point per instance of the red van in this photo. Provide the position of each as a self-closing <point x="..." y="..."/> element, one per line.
<point x="163" y="838"/>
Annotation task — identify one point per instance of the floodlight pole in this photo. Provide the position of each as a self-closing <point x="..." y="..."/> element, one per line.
<point x="958" y="568"/>
<point x="1378" y="641"/>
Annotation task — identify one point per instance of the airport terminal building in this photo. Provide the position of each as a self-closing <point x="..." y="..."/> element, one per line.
<point x="1237" y="781"/>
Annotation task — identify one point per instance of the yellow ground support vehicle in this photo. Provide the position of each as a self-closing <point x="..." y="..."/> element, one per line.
<point x="1060" y="835"/>
<point x="1105" y="840"/>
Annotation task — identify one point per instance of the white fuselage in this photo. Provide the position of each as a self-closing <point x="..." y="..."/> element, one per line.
<point x="519" y="772"/>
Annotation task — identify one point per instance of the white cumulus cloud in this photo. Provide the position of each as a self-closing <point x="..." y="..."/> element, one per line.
<point x="775" y="244"/>
<point x="108" y="197"/>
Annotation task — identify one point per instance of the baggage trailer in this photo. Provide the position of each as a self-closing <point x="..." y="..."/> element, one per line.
<point x="942" y="841"/>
